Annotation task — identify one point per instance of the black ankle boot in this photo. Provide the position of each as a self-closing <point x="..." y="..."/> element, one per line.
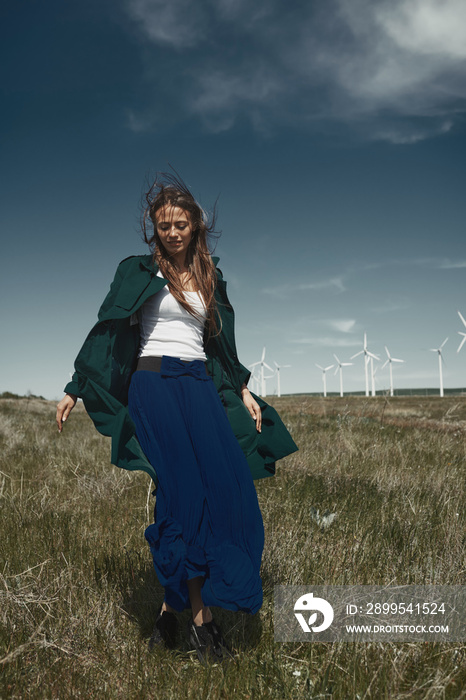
<point x="208" y="642"/>
<point x="165" y="630"/>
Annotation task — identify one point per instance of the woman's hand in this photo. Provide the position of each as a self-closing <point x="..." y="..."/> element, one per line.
<point x="64" y="409"/>
<point x="252" y="406"/>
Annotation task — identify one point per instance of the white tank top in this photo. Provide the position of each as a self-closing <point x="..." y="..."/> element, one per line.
<point x="168" y="329"/>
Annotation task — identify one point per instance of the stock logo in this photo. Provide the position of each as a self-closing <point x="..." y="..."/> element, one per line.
<point x="307" y="603"/>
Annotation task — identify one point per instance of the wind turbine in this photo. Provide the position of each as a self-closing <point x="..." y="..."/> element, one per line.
<point x="440" y="358"/>
<point x="389" y="363"/>
<point x="373" y="371"/>
<point x="324" y="370"/>
<point x="268" y="376"/>
<point x="279" y="367"/>
<point x="254" y="381"/>
<point x="339" y="369"/>
<point x="461" y="332"/>
<point x="262" y="364"/>
<point x="367" y="356"/>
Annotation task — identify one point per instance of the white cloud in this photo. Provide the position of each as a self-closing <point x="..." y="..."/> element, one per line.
<point x="401" y="49"/>
<point x="334" y="284"/>
<point x="452" y="264"/>
<point x="222" y="96"/>
<point x="434" y="263"/>
<point x="392" y="69"/>
<point x="391" y="306"/>
<point x="327" y="341"/>
<point x="342" y="325"/>
<point x="426" y="27"/>
<point x="178" y="23"/>
<point x="409" y="133"/>
<point x="428" y="263"/>
<point x="140" y="122"/>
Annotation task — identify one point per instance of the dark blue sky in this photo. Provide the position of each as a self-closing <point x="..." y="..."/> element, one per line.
<point x="333" y="134"/>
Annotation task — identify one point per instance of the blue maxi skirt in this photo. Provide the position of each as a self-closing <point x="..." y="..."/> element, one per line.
<point x="207" y="517"/>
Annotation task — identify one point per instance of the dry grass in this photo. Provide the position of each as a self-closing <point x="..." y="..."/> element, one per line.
<point x="79" y="595"/>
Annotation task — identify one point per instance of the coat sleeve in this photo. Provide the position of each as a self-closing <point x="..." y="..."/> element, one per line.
<point x="73" y="386"/>
<point x="104" y="366"/>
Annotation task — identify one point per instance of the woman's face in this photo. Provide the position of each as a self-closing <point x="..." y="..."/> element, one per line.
<point x="175" y="231"/>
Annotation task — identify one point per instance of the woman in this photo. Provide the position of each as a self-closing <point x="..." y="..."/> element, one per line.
<point x="159" y="373"/>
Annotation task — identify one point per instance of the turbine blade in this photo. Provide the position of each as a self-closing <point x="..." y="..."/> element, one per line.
<point x="385" y="363"/>
<point x="461" y="317"/>
<point x="319" y="367"/>
<point x="462" y="342"/>
<point x="358" y="353"/>
<point x="388" y="354"/>
<point x="443" y="343"/>
<point x="336" y="358"/>
<point x="329" y="367"/>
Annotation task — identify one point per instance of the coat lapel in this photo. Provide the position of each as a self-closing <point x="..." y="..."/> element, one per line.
<point x="139" y="283"/>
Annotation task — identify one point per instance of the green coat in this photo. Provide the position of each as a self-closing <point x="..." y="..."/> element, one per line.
<point x="108" y="358"/>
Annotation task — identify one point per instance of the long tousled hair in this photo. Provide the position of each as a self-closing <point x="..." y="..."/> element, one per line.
<point x="168" y="189"/>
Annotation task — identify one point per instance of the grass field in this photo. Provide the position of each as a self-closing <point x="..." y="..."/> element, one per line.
<point x="79" y="594"/>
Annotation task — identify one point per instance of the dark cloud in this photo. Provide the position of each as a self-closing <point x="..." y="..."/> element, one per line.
<point x="393" y="70"/>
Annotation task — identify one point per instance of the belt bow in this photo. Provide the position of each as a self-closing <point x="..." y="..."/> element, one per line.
<point x="173" y="367"/>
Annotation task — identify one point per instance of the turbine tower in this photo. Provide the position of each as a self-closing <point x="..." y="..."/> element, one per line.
<point x="279" y="367"/>
<point x="373" y="371"/>
<point x="440" y="360"/>
<point x="461" y="332"/>
<point x="268" y="376"/>
<point x="389" y="363"/>
<point x="324" y="370"/>
<point x="262" y="364"/>
<point x="339" y="369"/>
<point x="254" y="380"/>
<point x="367" y="356"/>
